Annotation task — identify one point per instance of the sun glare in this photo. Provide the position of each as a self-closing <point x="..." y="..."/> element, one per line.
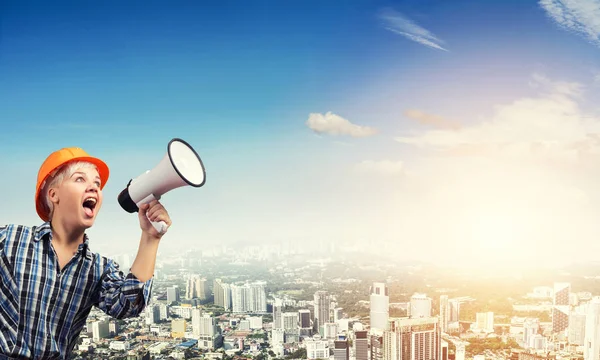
<point x="496" y="236"/>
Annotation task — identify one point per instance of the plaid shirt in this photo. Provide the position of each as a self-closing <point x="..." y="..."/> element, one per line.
<point x="43" y="308"/>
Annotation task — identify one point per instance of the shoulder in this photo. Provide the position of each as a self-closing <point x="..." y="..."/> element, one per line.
<point x="14" y="238"/>
<point x="104" y="262"/>
<point x="14" y="232"/>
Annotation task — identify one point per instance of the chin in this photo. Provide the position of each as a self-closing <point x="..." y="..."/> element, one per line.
<point x="88" y="223"/>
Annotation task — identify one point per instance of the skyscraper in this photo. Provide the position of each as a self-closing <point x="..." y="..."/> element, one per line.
<point x="380" y="306"/>
<point x="361" y="345"/>
<point x="322" y="304"/>
<point x="561" y="308"/>
<point x="304" y="318"/>
<point x="289" y="320"/>
<point x="412" y="339"/>
<point x="591" y="348"/>
<point x="196" y="287"/>
<point x="341" y="350"/>
<point x="454" y="306"/>
<point x="249" y="298"/>
<point x="277" y="319"/>
<point x="420" y="306"/>
<point x="444" y="313"/>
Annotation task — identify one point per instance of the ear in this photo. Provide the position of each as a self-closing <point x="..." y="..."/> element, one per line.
<point x="53" y="195"/>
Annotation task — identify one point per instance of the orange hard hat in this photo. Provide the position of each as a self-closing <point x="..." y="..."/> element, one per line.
<point x="58" y="159"/>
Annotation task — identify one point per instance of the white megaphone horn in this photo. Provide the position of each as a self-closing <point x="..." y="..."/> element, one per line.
<point x="180" y="166"/>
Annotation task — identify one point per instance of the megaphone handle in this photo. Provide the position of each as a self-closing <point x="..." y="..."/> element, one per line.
<point x="160" y="226"/>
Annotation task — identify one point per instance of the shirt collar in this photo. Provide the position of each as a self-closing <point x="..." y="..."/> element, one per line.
<point x="44" y="231"/>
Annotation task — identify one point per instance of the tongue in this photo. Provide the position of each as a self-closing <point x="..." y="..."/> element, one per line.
<point x="88" y="211"/>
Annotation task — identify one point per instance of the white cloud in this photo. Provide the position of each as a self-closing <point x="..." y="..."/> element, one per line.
<point x="550" y="127"/>
<point x="520" y="182"/>
<point x="431" y="119"/>
<point x="386" y="167"/>
<point x="579" y="16"/>
<point x="333" y="124"/>
<point x="401" y="25"/>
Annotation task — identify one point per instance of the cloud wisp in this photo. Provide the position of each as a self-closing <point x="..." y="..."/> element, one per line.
<point x="578" y="16"/>
<point x="431" y="119"/>
<point x="550" y="126"/>
<point x="401" y="25"/>
<point x="333" y="124"/>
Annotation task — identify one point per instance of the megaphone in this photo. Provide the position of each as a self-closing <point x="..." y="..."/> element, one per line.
<point x="180" y="166"/>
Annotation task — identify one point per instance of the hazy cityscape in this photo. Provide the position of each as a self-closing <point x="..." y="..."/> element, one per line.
<point x="340" y="303"/>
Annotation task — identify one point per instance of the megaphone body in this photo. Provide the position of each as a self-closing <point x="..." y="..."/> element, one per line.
<point x="180" y="166"/>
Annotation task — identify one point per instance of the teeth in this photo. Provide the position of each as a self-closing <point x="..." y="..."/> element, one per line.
<point x="92" y="200"/>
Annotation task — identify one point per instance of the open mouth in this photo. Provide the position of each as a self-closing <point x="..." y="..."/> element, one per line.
<point x="89" y="204"/>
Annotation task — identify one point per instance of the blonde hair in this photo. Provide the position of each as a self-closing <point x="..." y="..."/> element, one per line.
<point x="57" y="177"/>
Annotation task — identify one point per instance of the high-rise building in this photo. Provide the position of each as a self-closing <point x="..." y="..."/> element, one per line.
<point x="164" y="311"/>
<point x="561" y="307"/>
<point x="377" y="346"/>
<point x="218" y="296"/>
<point x="249" y="298"/>
<point x="317" y="348"/>
<point x="329" y="331"/>
<point x="591" y="347"/>
<point x="173" y="294"/>
<point x="420" y="306"/>
<point x="337" y="314"/>
<point x="460" y="352"/>
<point x="485" y="322"/>
<point x="196" y="287"/>
<point x="227" y="298"/>
<point x="444" y="313"/>
<point x="454" y="305"/>
<point x="444" y="352"/>
<point x="341" y="350"/>
<point x="322" y="304"/>
<point x="577" y="329"/>
<point x="531" y="326"/>
<point x="412" y="339"/>
<point x="152" y="314"/>
<point x="113" y="328"/>
<point x="289" y="320"/>
<point x="100" y="330"/>
<point x="304" y="318"/>
<point x="203" y="324"/>
<point x="361" y="345"/>
<point x="277" y="319"/>
<point x="380" y="306"/>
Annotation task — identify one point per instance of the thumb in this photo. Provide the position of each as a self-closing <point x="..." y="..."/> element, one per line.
<point x="142" y="212"/>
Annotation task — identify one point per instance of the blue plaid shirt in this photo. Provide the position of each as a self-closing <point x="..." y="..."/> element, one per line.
<point x="43" y="308"/>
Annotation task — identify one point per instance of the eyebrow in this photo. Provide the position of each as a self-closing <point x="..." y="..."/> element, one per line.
<point x="82" y="173"/>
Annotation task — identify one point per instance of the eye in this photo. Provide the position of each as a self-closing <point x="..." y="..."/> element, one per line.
<point x="98" y="183"/>
<point x="79" y="178"/>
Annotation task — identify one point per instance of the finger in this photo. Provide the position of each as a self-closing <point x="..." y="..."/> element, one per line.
<point x="163" y="217"/>
<point x="160" y="214"/>
<point x="154" y="211"/>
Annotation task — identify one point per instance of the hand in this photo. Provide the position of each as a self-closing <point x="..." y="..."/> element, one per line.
<point x="153" y="211"/>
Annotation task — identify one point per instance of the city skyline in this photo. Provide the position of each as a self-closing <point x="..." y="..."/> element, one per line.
<point x="452" y="133"/>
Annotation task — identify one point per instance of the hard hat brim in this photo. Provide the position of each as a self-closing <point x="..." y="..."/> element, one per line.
<point x="103" y="172"/>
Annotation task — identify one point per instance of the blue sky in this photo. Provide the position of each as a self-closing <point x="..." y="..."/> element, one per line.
<point x="319" y="121"/>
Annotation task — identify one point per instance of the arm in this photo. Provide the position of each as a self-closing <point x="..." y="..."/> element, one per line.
<point x="128" y="296"/>
<point x="122" y="296"/>
<point x="143" y="265"/>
